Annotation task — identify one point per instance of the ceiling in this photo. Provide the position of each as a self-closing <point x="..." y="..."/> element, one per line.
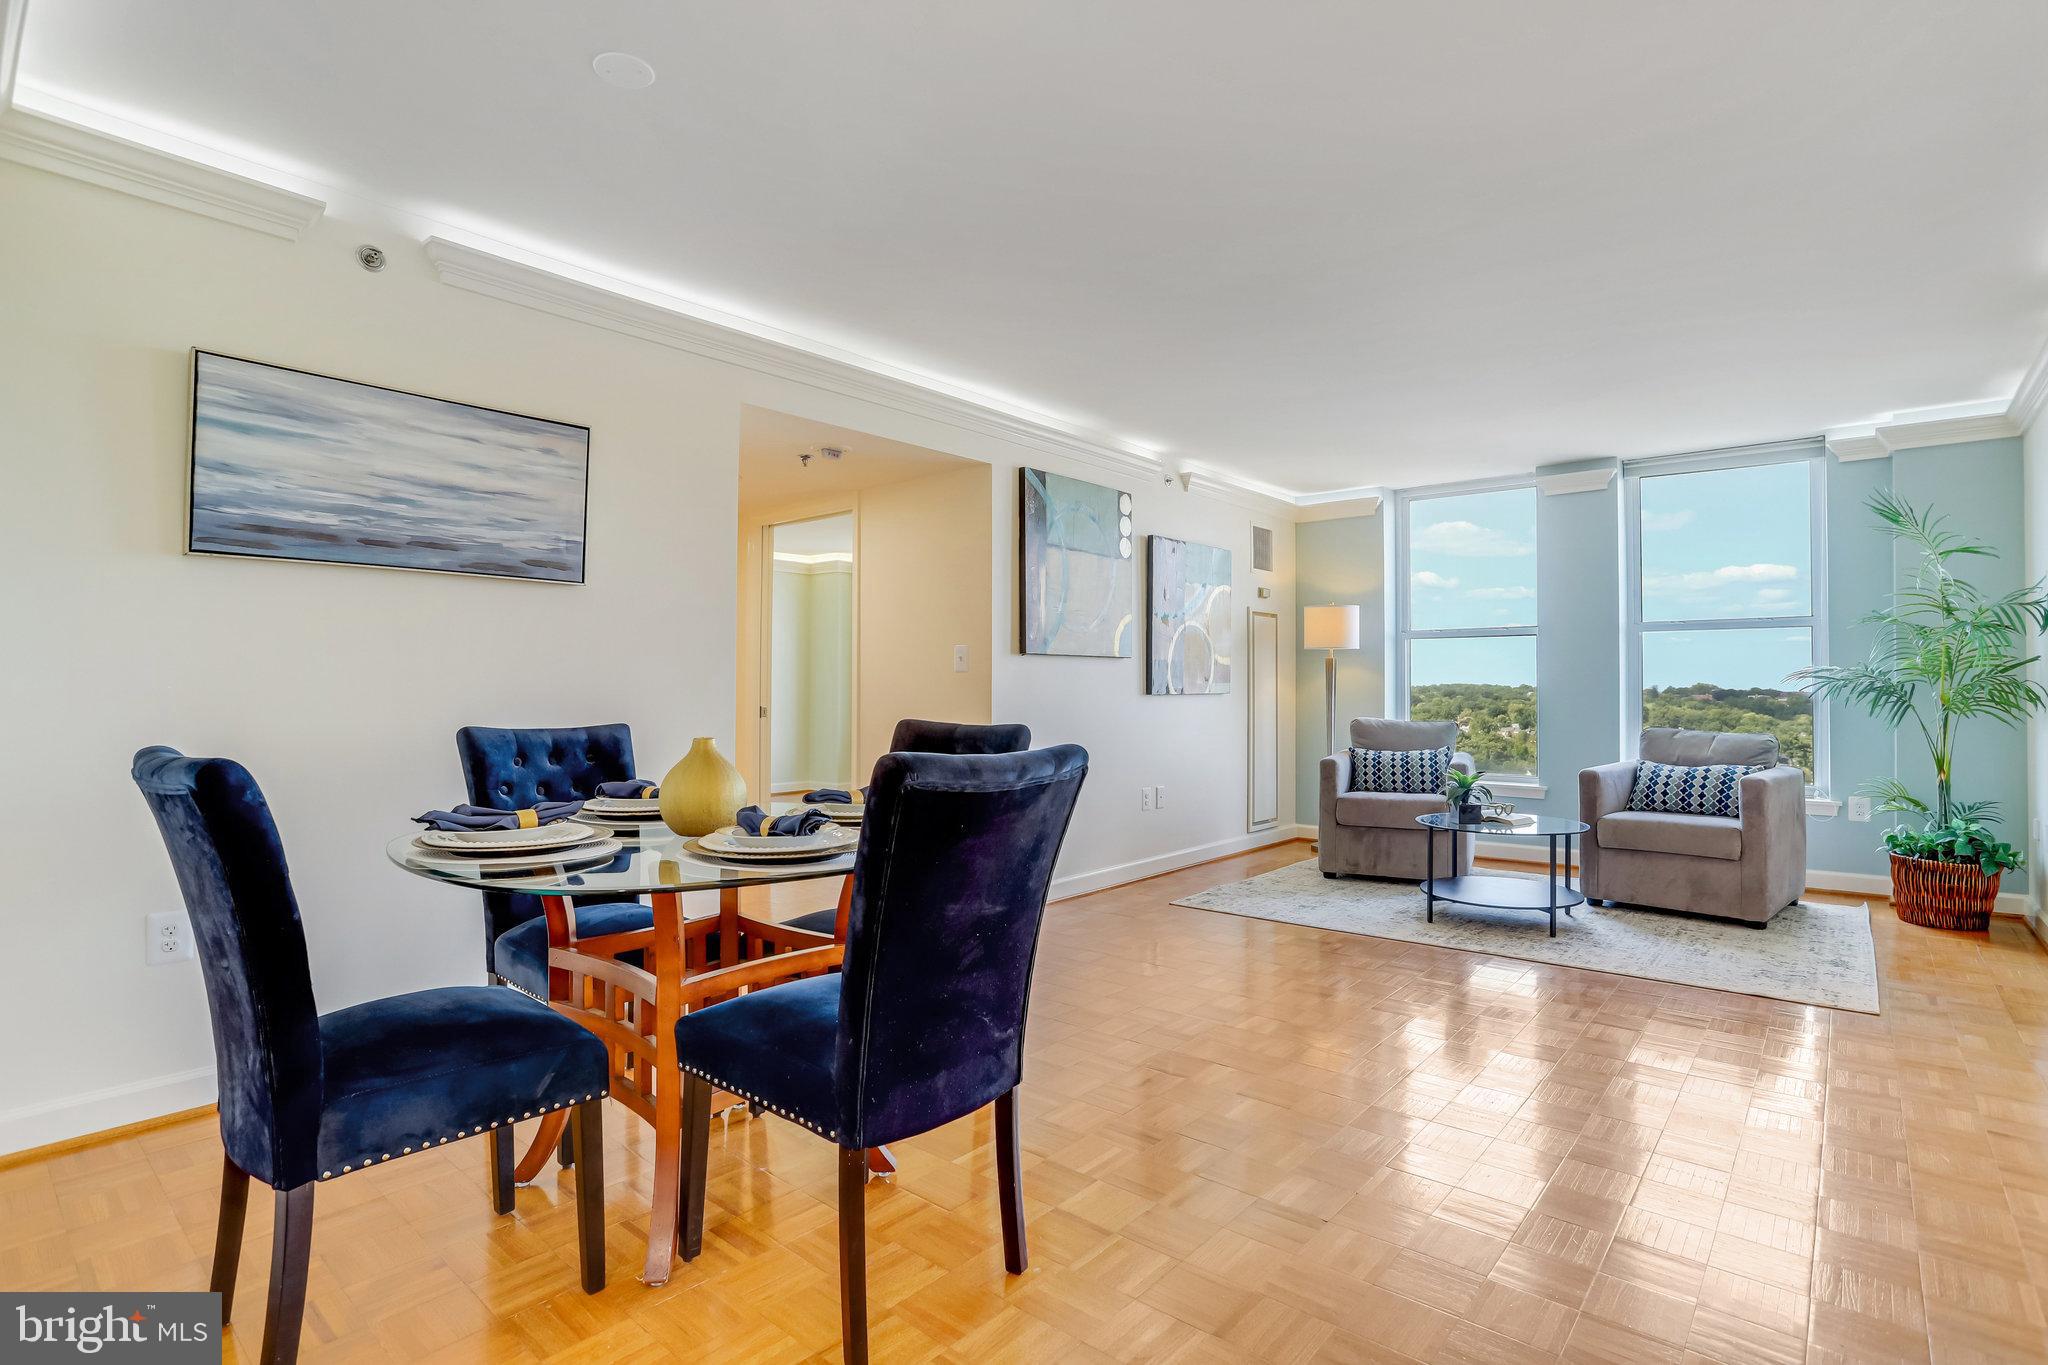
<point x="1318" y="244"/>
<point x="772" y="475"/>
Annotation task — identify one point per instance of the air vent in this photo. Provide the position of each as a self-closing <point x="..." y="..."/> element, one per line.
<point x="1262" y="549"/>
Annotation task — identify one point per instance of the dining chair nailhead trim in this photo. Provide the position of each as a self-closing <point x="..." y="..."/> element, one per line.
<point x="460" y="1133"/>
<point x="769" y="1106"/>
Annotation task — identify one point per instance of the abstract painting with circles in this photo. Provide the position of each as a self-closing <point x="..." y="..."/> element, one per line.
<point x="1187" y="645"/>
<point x="1077" y="567"/>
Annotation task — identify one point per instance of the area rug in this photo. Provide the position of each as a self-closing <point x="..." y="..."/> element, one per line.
<point x="1811" y="954"/>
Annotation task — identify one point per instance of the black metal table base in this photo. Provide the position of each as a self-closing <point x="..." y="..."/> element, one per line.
<point x="1488" y="892"/>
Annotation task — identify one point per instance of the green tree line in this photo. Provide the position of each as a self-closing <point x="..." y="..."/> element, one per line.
<point x="1497" y="723"/>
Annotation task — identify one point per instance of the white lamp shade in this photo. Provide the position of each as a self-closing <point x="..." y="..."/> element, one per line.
<point x="1329" y="627"/>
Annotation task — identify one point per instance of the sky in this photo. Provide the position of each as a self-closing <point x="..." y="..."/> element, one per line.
<point x="1717" y="545"/>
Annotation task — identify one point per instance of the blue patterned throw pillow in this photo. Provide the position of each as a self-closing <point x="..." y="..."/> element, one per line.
<point x="1399" y="770"/>
<point x="1675" y="789"/>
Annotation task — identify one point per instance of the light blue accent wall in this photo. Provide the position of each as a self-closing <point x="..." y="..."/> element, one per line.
<point x="1578" y="665"/>
<point x="1341" y="561"/>
<point x="1859" y="582"/>
<point x="1979" y="487"/>
<point x="1581" y="635"/>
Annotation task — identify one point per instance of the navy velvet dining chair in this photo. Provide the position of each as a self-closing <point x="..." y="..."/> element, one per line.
<point x="307" y="1097"/>
<point x="925" y="1022"/>
<point x="931" y="737"/>
<point x="515" y="768"/>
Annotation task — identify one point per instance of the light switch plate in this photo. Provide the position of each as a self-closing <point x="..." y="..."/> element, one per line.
<point x="959" y="658"/>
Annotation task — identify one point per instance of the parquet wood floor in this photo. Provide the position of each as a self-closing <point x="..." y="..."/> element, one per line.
<point x="1256" y="1142"/>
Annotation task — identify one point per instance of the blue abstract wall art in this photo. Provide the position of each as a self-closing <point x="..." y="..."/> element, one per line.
<point x="1187" y="645"/>
<point x="1077" y="564"/>
<point x="291" y="465"/>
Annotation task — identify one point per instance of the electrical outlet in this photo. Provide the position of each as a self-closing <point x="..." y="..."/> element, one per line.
<point x="1144" y="798"/>
<point x="167" y="938"/>
<point x="959" y="658"/>
<point x="1159" y="798"/>
<point x="1859" y="808"/>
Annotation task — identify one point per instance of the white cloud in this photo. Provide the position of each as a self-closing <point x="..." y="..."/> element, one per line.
<point x="1423" y="578"/>
<point x="1666" y="521"/>
<point x="1468" y="538"/>
<point x="1774" y="594"/>
<point x="1726" y="576"/>
<point x="1501" y="594"/>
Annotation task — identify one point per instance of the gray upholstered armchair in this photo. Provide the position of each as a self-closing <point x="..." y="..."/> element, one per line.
<point x="1747" y="869"/>
<point x="1374" y="834"/>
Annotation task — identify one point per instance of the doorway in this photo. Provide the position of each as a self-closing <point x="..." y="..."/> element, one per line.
<point x="809" y="657"/>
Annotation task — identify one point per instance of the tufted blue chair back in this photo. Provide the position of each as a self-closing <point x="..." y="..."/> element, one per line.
<point x="956" y="855"/>
<point x="514" y="768"/>
<point x="252" y="951"/>
<point x="949" y="737"/>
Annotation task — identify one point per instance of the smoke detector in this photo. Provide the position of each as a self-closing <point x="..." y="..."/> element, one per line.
<point x="622" y="70"/>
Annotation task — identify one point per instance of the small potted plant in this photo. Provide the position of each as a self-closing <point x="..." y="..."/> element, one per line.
<point x="1466" y="795"/>
<point x="1947" y="652"/>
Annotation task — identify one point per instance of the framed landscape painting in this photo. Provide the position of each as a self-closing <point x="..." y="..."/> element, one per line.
<point x="291" y="465"/>
<point x="1076" y="566"/>
<point x="1187" y="645"/>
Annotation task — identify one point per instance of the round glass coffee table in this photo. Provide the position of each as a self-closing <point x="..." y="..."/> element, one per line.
<point x="1505" y="893"/>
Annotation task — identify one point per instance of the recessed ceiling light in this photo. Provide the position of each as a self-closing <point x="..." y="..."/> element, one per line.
<point x="622" y="69"/>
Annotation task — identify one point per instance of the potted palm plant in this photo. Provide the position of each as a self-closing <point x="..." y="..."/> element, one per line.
<point x="1946" y="653"/>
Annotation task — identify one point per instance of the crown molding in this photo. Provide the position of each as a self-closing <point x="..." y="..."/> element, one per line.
<point x="551" y="291"/>
<point x="1244" y="492"/>
<point x="1340" y="509"/>
<point x="1917" y="428"/>
<point x="71" y="149"/>
<point x="2032" y="394"/>
<point x="1576" y="481"/>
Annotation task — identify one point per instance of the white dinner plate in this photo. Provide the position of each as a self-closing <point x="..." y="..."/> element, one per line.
<point x="623" y="808"/>
<point x="560" y="834"/>
<point x="841" y="812"/>
<point x="599" y="851"/>
<point x="732" y="842"/>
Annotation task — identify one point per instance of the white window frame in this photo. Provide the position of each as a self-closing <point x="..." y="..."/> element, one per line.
<point x="1815" y="621"/>
<point x="1404" y="633"/>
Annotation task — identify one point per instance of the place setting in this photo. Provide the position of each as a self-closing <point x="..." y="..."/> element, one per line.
<point x="809" y="834"/>
<point x="483" y="839"/>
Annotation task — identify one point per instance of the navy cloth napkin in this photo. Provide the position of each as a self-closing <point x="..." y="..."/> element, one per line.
<point x="837" y="796"/>
<point x="806" y="821"/>
<point x="489" y="817"/>
<point x="636" y="790"/>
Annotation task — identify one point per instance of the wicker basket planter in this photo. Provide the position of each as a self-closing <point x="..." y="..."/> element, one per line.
<point x="1942" y="895"/>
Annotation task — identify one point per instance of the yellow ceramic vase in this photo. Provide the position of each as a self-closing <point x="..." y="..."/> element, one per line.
<point x="702" y="792"/>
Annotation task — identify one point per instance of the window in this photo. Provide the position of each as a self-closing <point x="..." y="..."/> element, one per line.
<point x="1467" y="564"/>
<point x="1725" y="599"/>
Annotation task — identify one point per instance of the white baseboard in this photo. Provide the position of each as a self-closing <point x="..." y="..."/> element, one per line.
<point x="1081" y="883"/>
<point x="34" y="1125"/>
<point x="1817" y="879"/>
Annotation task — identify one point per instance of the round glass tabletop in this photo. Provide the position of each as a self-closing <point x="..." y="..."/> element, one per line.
<point x="655" y="860"/>
<point x="1540" y="826"/>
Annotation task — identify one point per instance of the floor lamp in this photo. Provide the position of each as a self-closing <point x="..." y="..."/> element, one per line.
<point x="1329" y="628"/>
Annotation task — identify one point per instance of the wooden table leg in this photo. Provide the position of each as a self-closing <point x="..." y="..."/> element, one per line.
<point x="880" y="1162"/>
<point x="561" y="934"/>
<point x="665" y="1204"/>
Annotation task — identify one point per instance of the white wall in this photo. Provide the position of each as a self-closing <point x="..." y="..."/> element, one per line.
<point x="341" y="688"/>
<point x="2034" y="472"/>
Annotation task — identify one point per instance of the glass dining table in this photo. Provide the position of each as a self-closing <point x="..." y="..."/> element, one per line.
<point x="687" y="962"/>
